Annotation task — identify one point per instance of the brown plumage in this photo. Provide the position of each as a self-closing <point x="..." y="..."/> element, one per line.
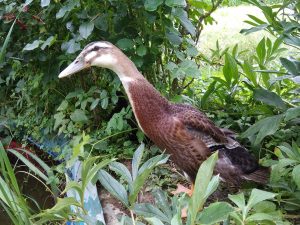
<point x="183" y="131"/>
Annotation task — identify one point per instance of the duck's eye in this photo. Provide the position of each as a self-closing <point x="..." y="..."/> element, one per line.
<point x="96" y="48"/>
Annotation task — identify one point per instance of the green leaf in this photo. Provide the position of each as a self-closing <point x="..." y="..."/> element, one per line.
<point x="215" y="212"/>
<point x="63" y="203"/>
<point x="260" y="217"/>
<point x="141" y="50"/>
<point x="104" y="103"/>
<point x="296" y="175"/>
<point x="125" y="44"/>
<point x="86" y="29"/>
<point x="269" y="98"/>
<point x="113" y="186"/>
<point x="182" y="15"/>
<point x="291" y="65"/>
<point x="174" y="3"/>
<point x="78" y="116"/>
<point x="148" y="210"/>
<point x="258" y="196"/>
<point x="45" y="3"/>
<point x="174" y="38"/>
<point x="121" y="170"/>
<point x="249" y="72"/>
<point x="30" y="165"/>
<point x="230" y="69"/>
<point x="151" y="5"/>
<point x="154" y="221"/>
<point x="67" y="8"/>
<point x="63" y="105"/>
<point x="70" y="46"/>
<point x="265" y="207"/>
<point x="292" y="113"/>
<point x="31" y="46"/>
<point x="263" y="128"/>
<point x="203" y="178"/>
<point x="212" y="186"/>
<point x="254" y="29"/>
<point x="261" y="51"/>
<point x="94" y="103"/>
<point x="6" y="41"/>
<point x="136" y="160"/>
<point x="239" y="200"/>
<point x="50" y="40"/>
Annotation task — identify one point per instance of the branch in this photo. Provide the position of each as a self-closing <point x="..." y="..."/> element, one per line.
<point x="204" y="16"/>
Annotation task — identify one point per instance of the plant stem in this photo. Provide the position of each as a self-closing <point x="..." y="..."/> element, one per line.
<point x="132" y="217"/>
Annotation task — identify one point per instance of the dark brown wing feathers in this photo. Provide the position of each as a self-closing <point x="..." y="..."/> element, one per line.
<point x="202" y="137"/>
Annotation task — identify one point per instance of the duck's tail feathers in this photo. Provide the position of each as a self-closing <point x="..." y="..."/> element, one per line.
<point x="261" y="175"/>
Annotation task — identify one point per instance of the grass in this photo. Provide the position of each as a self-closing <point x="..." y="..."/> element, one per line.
<point x="230" y="20"/>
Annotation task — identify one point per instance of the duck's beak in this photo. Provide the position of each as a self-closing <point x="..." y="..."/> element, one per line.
<point x="77" y="65"/>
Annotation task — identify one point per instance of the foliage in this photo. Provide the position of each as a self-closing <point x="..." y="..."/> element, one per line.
<point x="48" y="34"/>
<point x="17" y="205"/>
<point x="254" y="92"/>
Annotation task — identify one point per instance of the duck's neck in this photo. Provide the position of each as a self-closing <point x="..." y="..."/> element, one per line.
<point x="148" y="105"/>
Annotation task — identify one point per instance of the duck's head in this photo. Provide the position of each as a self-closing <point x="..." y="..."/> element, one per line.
<point x="100" y="53"/>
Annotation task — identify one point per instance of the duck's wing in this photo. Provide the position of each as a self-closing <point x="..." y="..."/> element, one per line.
<point x="233" y="158"/>
<point x="199" y="125"/>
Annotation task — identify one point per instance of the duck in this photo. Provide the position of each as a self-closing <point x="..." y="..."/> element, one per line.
<point x="184" y="132"/>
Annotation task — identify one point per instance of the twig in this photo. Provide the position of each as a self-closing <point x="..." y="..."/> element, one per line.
<point x="200" y="26"/>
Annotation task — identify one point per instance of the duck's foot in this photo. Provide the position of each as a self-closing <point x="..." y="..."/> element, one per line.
<point x="183" y="189"/>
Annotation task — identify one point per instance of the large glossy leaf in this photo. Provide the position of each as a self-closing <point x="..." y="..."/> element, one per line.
<point x="239" y="200"/>
<point x="31" y="46"/>
<point x="86" y="29"/>
<point x="70" y="46"/>
<point x="296" y="175"/>
<point x="154" y="161"/>
<point x="269" y="98"/>
<point x="182" y="15"/>
<point x="143" y="174"/>
<point x="45" y="3"/>
<point x="203" y="178"/>
<point x="113" y="186"/>
<point x="6" y="41"/>
<point x="257" y="196"/>
<point x="254" y="29"/>
<point x="215" y="212"/>
<point x="292" y="65"/>
<point x="154" y="221"/>
<point x="50" y="40"/>
<point x="260" y="217"/>
<point x="121" y="170"/>
<point x="29" y="164"/>
<point x="292" y="113"/>
<point x="249" y="72"/>
<point x="230" y="69"/>
<point x="263" y="128"/>
<point x="174" y="3"/>
<point x="136" y="160"/>
<point x="125" y="43"/>
<point x="161" y="202"/>
<point x="78" y="116"/>
<point x="151" y="5"/>
<point x="261" y="51"/>
<point x="149" y="210"/>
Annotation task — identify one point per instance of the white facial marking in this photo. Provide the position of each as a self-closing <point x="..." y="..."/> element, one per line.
<point x="105" y="60"/>
<point x="90" y="55"/>
<point x="102" y="45"/>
